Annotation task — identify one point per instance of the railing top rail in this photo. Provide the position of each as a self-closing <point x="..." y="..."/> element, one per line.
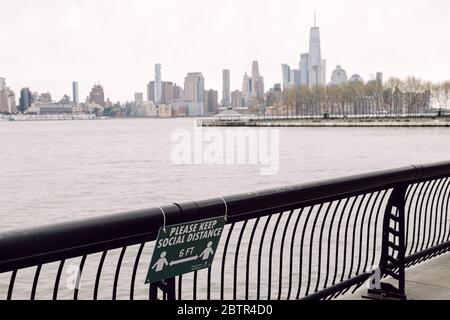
<point x="39" y="245"/>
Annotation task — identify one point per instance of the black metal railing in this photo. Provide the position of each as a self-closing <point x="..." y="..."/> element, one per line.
<point x="312" y="241"/>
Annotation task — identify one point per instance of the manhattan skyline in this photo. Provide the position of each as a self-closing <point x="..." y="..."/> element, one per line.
<point x="118" y="46"/>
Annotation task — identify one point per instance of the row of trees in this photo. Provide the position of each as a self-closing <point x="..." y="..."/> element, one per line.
<point x="395" y="97"/>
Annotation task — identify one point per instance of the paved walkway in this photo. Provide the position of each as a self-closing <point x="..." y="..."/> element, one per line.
<point x="426" y="281"/>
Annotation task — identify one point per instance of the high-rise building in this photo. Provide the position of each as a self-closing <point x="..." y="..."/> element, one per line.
<point x="211" y="102"/>
<point x="4" y="101"/>
<point x="194" y="90"/>
<point x="178" y="94"/>
<point x="138" y="99"/>
<point x="3" y="96"/>
<point x="304" y="69"/>
<point x="295" y="78"/>
<point x="236" y="99"/>
<point x="312" y="66"/>
<point x="97" y="95"/>
<point x="226" y="89"/>
<point x="316" y="63"/>
<point x="194" y="87"/>
<point x="286" y="75"/>
<point x="380" y="78"/>
<point x="12" y="107"/>
<point x="339" y="76"/>
<point x="158" y="83"/>
<point x="151" y="91"/>
<point x="25" y="100"/>
<point x="7" y="98"/>
<point x="257" y="82"/>
<point x="75" y="93"/>
<point x="167" y="96"/>
<point x="247" y="87"/>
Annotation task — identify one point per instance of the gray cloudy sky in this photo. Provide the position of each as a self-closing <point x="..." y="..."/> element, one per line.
<point x="46" y="44"/>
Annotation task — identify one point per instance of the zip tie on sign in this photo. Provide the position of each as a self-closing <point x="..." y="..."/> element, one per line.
<point x="164" y="215"/>
<point x="226" y="208"/>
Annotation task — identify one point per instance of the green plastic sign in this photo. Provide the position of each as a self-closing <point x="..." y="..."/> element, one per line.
<point x="185" y="248"/>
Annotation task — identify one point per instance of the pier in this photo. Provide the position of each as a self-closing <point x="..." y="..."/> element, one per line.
<point x="407" y="122"/>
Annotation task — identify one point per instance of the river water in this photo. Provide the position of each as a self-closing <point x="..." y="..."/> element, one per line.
<point x="61" y="171"/>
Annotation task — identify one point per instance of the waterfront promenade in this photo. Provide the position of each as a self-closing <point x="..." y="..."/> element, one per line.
<point x="427" y="281"/>
<point x="425" y="121"/>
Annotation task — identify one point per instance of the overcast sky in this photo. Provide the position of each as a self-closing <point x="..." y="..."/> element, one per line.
<point x="46" y="44"/>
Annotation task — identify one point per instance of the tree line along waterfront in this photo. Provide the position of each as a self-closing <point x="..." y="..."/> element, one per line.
<point x="395" y="97"/>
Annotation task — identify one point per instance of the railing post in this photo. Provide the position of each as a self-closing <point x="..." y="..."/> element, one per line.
<point x="393" y="248"/>
<point x="167" y="288"/>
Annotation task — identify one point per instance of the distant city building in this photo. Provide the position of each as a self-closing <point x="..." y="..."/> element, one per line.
<point x="211" y="102"/>
<point x="257" y="82"/>
<point x="356" y="78"/>
<point x="317" y="67"/>
<point x="274" y="95"/>
<point x="146" y="109"/>
<point x="194" y="109"/>
<point x="158" y="84"/>
<point x="25" y="100"/>
<point x="50" y="108"/>
<point x="165" y="111"/>
<point x="339" y="76"/>
<point x="194" y="90"/>
<point x="178" y="93"/>
<point x="97" y="95"/>
<point x="7" y="98"/>
<point x="304" y="69"/>
<point x="75" y="93"/>
<point x="247" y="87"/>
<point x="226" y="88"/>
<point x="151" y="91"/>
<point x="380" y="78"/>
<point x="295" y="78"/>
<point x="167" y="96"/>
<point x="138" y="98"/>
<point x="286" y="71"/>
<point x="45" y="98"/>
<point x="312" y="66"/>
<point x="236" y="99"/>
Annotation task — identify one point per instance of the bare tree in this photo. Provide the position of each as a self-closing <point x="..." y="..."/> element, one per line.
<point x="441" y="94"/>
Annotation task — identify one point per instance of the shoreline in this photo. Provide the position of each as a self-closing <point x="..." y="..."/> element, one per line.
<point x="429" y="122"/>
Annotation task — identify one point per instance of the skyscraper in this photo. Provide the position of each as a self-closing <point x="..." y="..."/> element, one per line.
<point x="247" y="87"/>
<point x="151" y="91"/>
<point x="158" y="83"/>
<point x="167" y="93"/>
<point x="380" y="78"/>
<point x="97" y="95"/>
<point x="194" y="87"/>
<point x="316" y="64"/>
<point x="304" y="69"/>
<point x="7" y="98"/>
<point x="75" y="93"/>
<point x="25" y="100"/>
<point x="257" y="82"/>
<point x="286" y="75"/>
<point x="226" y="89"/>
<point x="138" y="99"/>
<point x="211" y="101"/>
<point x="236" y="99"/>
